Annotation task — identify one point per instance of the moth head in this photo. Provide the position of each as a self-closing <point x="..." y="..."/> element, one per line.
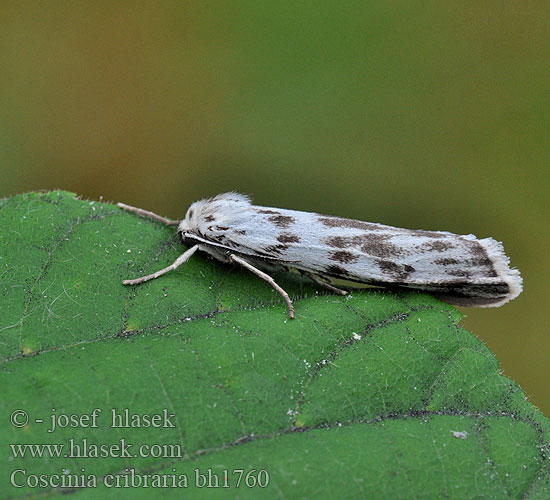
<point x="221" y="210"/>
<point x="190" y="223"/>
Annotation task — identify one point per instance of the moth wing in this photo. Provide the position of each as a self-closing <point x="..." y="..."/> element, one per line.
<point x="462" y="268"/>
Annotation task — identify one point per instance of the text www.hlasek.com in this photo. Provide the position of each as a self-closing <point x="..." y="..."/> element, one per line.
<point x="129" y="478"/>
<point x="84" y="449"/>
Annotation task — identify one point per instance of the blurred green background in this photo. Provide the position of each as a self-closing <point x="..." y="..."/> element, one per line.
<point x="417" y="114"/>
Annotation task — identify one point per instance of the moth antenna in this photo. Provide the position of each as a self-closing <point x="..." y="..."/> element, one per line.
<point x="150" y="215"/>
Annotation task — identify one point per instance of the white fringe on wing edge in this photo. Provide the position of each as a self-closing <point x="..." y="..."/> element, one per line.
<point x="501" y="263"/>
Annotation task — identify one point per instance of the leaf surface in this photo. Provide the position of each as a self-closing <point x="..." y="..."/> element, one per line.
<point x="371" y="395"/>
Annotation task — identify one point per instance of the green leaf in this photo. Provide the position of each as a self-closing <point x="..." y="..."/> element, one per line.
<point x="372" y="395"/>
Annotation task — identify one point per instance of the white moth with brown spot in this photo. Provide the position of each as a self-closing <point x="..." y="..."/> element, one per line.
<point x="459" y="269"/>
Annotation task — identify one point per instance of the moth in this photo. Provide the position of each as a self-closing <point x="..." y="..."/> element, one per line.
<point x="458" y="269"/>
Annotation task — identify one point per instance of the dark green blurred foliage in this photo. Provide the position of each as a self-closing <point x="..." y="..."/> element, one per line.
<point x="429" y="115"/>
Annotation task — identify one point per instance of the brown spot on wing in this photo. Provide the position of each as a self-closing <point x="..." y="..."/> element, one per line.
<point x="242" y="232"/>
<point x="268" y="212"/>
<point x="288" y="238"/>
<point x="277" y="249"/>
<point x="437" y="246"/>
<point x="343" y="257"/>
<point x="396" y="272"/>
<point x="282" y="220"/>
<point x="221" y="228"/>
<point x="429" y="234"/>
<point x="209" y="218"/>
<point x="329" y="221"/>
<point x="370" y="243"/>
<point x="479" y="261"/>
<point x="459" y="273"/>
<point x="446" y="262"/>
<point x="338" y="241"/>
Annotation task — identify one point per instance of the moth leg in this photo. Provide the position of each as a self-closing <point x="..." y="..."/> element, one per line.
<point x="269" y="279"/>
<point x="146" y="213"/>
<point x="322" y="283"/>
<point x="178" y="262"/>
